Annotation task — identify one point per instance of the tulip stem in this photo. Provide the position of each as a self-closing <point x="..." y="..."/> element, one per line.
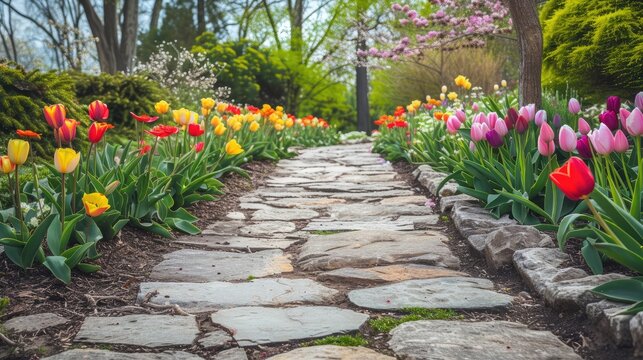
<point x="602" y="222"/>
<point x="37" y="187"/>
<point x="89" y="154"/>
<point x="73" y="194"/>
<point x="18" y="207"/>
<point x="62" y="216"/>
<point x="627" y="175"/>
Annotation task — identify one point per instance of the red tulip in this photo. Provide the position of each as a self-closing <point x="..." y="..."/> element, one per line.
<point x="97" y="131"/>
<point x="574" y="179"/>
<point x="55" y="115"/>
<point x="195" y="130"/>
<point x="162" y="131"/>
<point x="144" y="118"/>
<point x="198" y="147"/>
<point x="67" y="132"/>
<point x="98" y="111"/>
<point x="144" y="149"/>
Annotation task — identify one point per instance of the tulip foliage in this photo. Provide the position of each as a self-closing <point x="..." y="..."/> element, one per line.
<point x="510" y="159"/>
<point x="177" y="159"/>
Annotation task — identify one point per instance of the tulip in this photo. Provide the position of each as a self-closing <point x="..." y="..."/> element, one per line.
<point x="95" y="204"/>
<point x="573" y="106"/>
<point x="18" y="150"/>
<point x="442" y="96"/>
<point x="522" y="124"/>
<point x="623" y="115"/>
<point x="496" y="87"/>
<point x="222" y="107"/>
<point x="28" y="134"/>
<point x="207" y="103"/>
<point x="634" y="123"/>
<point x="583" y="126"/>
<point x="583" y="147"/>
<point x="472" y="146"/>
<point x="98" y="111"/>
<point x="111" y="187"/>
<point x="444" y="88"/>
<point x="475" y="107"/>
<point x="55" y="115"/>
<point x="556" y="120"/>
<point x="195" y="130"/>
<point x="638" y="101"/>
<point x="494" y="139"/>
<point x="452" y="95"/>
<point x="602" y="140"/>
<point x="144" y="118"/>
<point x="511" y="118"/>
<point x="462" y="117"/>
<point x="546" y="148"/>
<point x="503" y="83"/>
<point x="254" y="126"/>
<point x="501" y="127"/>
<point x="613" y="104"/>
<point x="198" y="147"/>
<point x="531" y="110"/>
<point x="290" y="122"/>
<point x="477" y="132"/>
<point x="144" y="149"/>
<point x="453" y="125"/>
<point x="609" y="118"/>
<point x="6" y="165"/>
<point x="480" y="118"/>
<point x="184" y="117"/>
<point x="233" y="148"/>
<point x="162" y="107"/>
<point x="546" y="133"/>
<point x="162" y="131"/>
<point x="220" y="129"/>
<point x="567" y="138"/>
<point x="541" y="117"/>
<point x="66" y="160"/>
<point x="97" y="131"/>
<point x="491" y="120"/>
<point x="620" y="142"/>
<point x="67" y="132"/>
<point x="574" y="179"/>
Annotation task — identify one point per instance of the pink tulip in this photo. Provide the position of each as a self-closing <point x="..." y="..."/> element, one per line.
<point x="472" y="146"/>
<point x="481" y="118"/>
<point x="524" y="112"/>
<point x="501" y="127"/>
<point x="634" y="123"/>
<point x="583" y="127"/>
<point x="475" y="107"/>
<point x="602" y="140"/>
<point x="623" y="114"/>
<point x="546" y="133"/>
<point x="461" y="116"/>
<point x="638" y="100"/>
<point x="453" y="125"/>
<point x="573" y="106"/>
<point x="541" y="117"/>
<point x="531" y="110"/>
<point x="546" y="148"/>
<point x="567" y="138"/>
<point x="620" y="142"/>
<point x="478" y="131"/>
<point x="491" y="119"/>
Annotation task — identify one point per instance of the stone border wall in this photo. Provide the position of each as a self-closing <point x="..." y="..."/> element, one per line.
<point x="542" y="266"/>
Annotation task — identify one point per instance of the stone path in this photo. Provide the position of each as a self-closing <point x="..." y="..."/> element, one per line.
<point x="334" y="238"/>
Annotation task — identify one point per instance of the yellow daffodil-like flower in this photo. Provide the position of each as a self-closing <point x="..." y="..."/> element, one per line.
<point x="460" y="80"/>
<point x="496" y="87"/>
<point x="220" y="129"/>
<point x="503" y="83"/>
<point x="95" y="204"/>
<point x="236" y="126"/>
<point x="162" y="107"/>
<point x="185" y="117"/>
<point x="289" y="122"/>
<point x="221" y="107"/>
<point x="279" y="127"/>
<point x="18" y="150"/>
<point x="254" y="126"/>
<point x="442" y="96"/>
<point x="207" y="103"/>
<point x="66" y="160"/>
<point x="6" y="164"/>
<point x="233" y="148"/>
<point x="279" y="108"/>
<point x="467" y="85"/>
<point x="416" y="104"/>
<point x="215" y="121"/>
<point x="444" y="88"/>
<point x="452" y="96"/>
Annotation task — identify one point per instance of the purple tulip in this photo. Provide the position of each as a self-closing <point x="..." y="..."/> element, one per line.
<point x="511" y="118"/>
<point x="583" y="147"/>
<point x="638" y="101"/>
<point x="541" y="117"/>
<point x="556" y="120"/>
<point x="634" y="123"/>
<point x="609" y="119"/>
<point x="501" y="127"/>
<point x="546" y="133"/>
<point x="583" y="126"/>
<point x="494" y="139"/>
<point x="546" y="148"/>
<point x="613" y="103"/>
<point x="567" y="138"/>
<point x="573" y="106"/>
<point x="620" y="142"/>
<point x="602" y="140"/>
<point x="522" y="124"/>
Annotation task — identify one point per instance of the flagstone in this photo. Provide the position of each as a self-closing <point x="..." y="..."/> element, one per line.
<point x="284" y="214"/>
<point x="369" y="194"/>
<point x="231" y="354"/>
<point x="261" y="229"/>
<point x="332" y="352"/>
<point x="403" y="200"/>
<point x="222" y="242"/>
<point x="34" y="322"/>
<point x="384" y="274"/>
<point x="304" y="202"/>
<point x="360" y="211"/>
<point x="98" y="354"/>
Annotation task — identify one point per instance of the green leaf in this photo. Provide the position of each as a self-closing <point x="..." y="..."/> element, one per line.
<point x="592" y="257"/>
<point x="35" y="241"/>
<point x="622" y="290"/>
<point x="632" y="310"/>
<point x="621" y="255"/>
<point x="76" y="254"/>
<point x="57" y="266"/>
<point x="529" y="204"/>
<point x="87" y="268"/>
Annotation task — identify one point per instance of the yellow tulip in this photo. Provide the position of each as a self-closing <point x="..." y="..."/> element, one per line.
<point x="452" y="96"/>
<point x="279" y="127"/>
<point x="496" y="87"/>
<point x="442" y="96"/>
<point x="503" y="83"/>
<point x="460" y="81"/>
<point x="6" y="164"/>
<point x="220" y="129"/>
<point x="18" y="150"/>
<point x="221" y="107"/>
<point x="215" y="121"/>
<point x="289" y="122"/>
<point x="207" y="103"/>
<point x="66" y="160"/>
<point x="233" y="148"/>
<point x="254" y="126"/>
<point x="467" y="85"/>
<point x="185" y="117"/>
<point x="279" y="108"/>
<point x="416" y="104"/>
<point x="428" y="98"/>
<point x="410" y="108"/>
<point x="162" y="107"/>
<point x="444" y="88"/>
<point x="95" y="204"/>
<point x="205" y="111"/>
<point x="236" y="126"/>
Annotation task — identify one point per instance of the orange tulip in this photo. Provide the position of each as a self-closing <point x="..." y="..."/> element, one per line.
<point x="67" y="132"/>
<point x="95" y="204"/>
<point x="97" y="131"/>
<point x="28" y="134"/>
<point x="55" y="115"/>
<point x="6" y="165"/>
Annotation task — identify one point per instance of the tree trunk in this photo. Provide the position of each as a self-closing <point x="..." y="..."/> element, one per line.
<point x="361" y="76"/>
<point x="106" y="55"/>
<point x="156" y="14"/>
<point x="129" y="30"/>
<point x="524" y="15"/>
<point x="200" y="15"/>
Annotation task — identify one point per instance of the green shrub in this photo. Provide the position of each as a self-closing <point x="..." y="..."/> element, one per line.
<point x="23" y="94"/>
<point x="595" y="46"/>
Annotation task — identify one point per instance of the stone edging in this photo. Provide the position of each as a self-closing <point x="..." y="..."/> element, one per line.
<point x="537" y="259"/>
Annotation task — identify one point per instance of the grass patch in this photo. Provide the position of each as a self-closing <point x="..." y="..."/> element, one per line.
<point x="250" y="278"/>
<point x="326" y="232"/>
<point x="385" y="324"/>
<point x="340" y="340"/>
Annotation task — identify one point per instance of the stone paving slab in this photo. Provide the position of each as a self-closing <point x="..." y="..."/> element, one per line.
<point x="371" y="194"/>
<point x="284" y="214"/>
<point x="304" y="202"/>
<point x="332" y="352"/>
<point x="140" y="330"/>
<point x="258" y="229"/>
<point x="231" y="354"/>
<point x="405" y="200"/>
<point x="353" y="212"/>
<point x="343" y="187"/>
<point x="390" y="273"/>
<point x="438" y="293"/>
<point x="211" y="296"/>
<point x="372" y="248"/>
<point x="236" y="242"/>
<point x="97" y="354"/>
<point x="202" y="266"/>
<point x="35" y="322"/>
<point x="261" y="325"/>
<point x="215" y="339"/>
<point x="460" y="340"/>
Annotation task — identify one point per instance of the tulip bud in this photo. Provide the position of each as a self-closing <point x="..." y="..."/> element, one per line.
<point x="573" y="106"/>
<point x="574" y="179"/>
<point x="475" y="107"/>
<point x="613" y="103"/>
<point x="546" y="148"/>
<point x="6" y="165"/>
<point x="453" y="125"/>
<point x="472" y="146"/>
<point x="634" y="123"/>
<point x="541" y="117"/>
<point x="442" y="96"/>
<point x="522" y="124"/>
<point x="620" y="142"/>
<point x="503" y="83"/>
<point x="496" y="87"/>
<point x="491" y="119"/>
<point x="609" y="119"/>
<point x="583" y="147"/>
<point x="546" y="133"/>
<point x="501" y="127"/>
<point x="111" y="187"/>
<point x="602" y="140"/>
<point x="461" y="115"/>
<point x="623" y="114"/>
<point x="583" y="126"/>
<point x="494" y="139"/>
<point x="638" y="101"/>
<point x="511" y="118"/>
<point x="556" y="120"/>
<point x="444" y="88"/>
<point x="17" y="151"/>
<point x="567" y="138"/>
<point x="477" y="132"/>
